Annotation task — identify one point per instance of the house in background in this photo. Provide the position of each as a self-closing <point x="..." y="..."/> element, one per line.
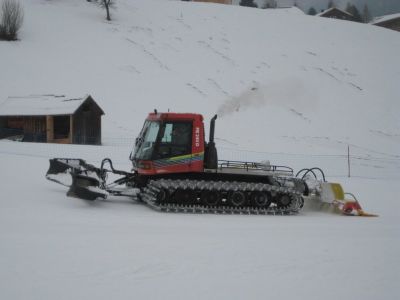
<point x="52" y="119"/>
<point x="215" y="1"/>
<point x="336" y="13"/>
<point x="388" y="21"/>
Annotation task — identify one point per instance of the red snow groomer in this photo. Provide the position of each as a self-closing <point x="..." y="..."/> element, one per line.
<point x="176" y="170"/>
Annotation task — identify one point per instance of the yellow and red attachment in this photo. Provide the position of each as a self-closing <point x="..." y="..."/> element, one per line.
<point x="332" y="195"/>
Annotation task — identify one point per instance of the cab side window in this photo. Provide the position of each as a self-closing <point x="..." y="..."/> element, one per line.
<point x="176" y="139"/>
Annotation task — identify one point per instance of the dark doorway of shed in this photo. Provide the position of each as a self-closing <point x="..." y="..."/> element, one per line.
<point x="61" y="127"/>
<point x="12" y="127"/>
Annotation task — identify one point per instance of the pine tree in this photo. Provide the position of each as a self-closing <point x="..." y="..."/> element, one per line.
<point x="356" y="14"/>
<point x="331" y="4"/>
<point x="312" y="11"/>
<point x="270" y="4"/>
<point x="366" y="17"/>
<point x="353" y="10"/>
<point x="348" y="7"/>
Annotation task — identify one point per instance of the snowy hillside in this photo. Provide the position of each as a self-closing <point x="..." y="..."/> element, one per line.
<point x="294" y="89"/>
<point x="270" y="66"/>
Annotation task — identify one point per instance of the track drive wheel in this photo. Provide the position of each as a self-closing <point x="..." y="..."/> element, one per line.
<point x="210" y="198"/>
<point x="237" y="198"/>
<point x="260" y="199"/>
<point x="284" y="200"/>
<point x="162" y="196"/>
<point x="185" y="196"/>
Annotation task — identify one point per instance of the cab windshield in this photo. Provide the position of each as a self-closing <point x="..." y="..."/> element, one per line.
<point x="146" y="141"/>
<point x="162" y="140"/>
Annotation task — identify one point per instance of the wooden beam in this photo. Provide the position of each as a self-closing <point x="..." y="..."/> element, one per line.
<point x="49" y="129"/>
<point x="71" y="129"/>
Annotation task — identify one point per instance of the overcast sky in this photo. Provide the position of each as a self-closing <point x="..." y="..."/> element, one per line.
<point x="376" y="7"/>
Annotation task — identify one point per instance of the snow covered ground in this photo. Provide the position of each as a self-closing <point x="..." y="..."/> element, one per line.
<point x="294" y="89"/>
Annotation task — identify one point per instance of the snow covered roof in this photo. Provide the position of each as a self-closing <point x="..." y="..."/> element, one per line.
<point x="385" y="18"/>
<point x="41" y="105"/>
<point x="333" y="9"/>
<point x="292" y="9"/>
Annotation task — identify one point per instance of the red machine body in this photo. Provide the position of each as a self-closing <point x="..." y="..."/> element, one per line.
<point x="170" y="143"/>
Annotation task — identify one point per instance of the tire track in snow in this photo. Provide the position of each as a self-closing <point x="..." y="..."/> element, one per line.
<point x="149" y="54"/>
<point x="218" y="53"/>
<point x="181" y="21"/>
<point x="196" y="89"/>
<point x="327" y="73"/>
<point x="299" y="114"/>
<point x="337" y="79"/>
<point x="145" y="30"/>
<point x="218" y="87"/>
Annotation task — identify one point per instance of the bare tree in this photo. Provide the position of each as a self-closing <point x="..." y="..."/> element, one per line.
<point x="11" y="19"/>
<point x="107" y="4"/>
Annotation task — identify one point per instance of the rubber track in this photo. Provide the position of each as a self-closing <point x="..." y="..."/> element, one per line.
<point x="149" y="197"/>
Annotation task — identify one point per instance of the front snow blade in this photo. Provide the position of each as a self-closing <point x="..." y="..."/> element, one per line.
<point x="60" y="169"/>
<point x="84" y="180"/>
<point x="86" y="186"/>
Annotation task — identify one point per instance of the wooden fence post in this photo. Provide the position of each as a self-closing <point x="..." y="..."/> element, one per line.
<point x="348" y="160"/>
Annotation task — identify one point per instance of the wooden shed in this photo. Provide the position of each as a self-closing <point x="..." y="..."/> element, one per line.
<point x="336" y="13"/>
<point x="52" y="119"/>
<point x="388" y="21"/>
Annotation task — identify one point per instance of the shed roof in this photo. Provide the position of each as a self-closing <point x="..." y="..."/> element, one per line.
<point x="385" y="18"/>
<point x="42" y="105"/>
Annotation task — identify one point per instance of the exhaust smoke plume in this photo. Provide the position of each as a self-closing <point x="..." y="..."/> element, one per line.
<point x="289" y="93"/>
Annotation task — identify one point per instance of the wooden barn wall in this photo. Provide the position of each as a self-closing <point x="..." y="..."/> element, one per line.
<point x="338" y="15"/>
<point x="391" y="24"/>
<point x="3" y="122"/>
<point x="4" y="130"/>
<point x="15" y="122"/>
<point x="35" y="129"/>
<point x="87" y="125"/>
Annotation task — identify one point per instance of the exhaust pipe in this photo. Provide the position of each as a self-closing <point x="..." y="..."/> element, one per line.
<point x="212" y="129"/>
<point x="211" y="155"/>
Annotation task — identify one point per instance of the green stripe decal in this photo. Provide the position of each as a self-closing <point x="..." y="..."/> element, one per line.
<point x="182" y="159"/>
